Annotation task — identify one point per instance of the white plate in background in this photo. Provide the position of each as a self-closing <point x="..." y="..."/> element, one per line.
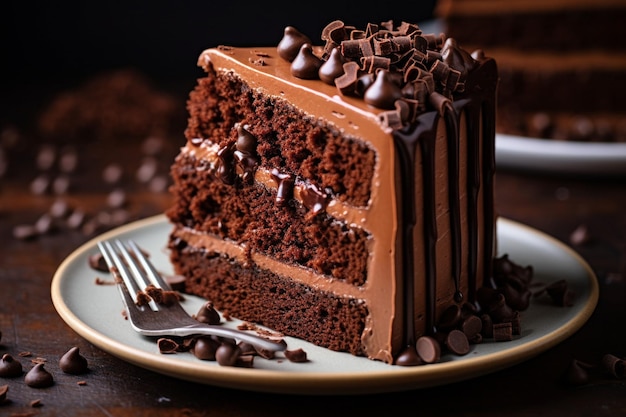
<point x="563" y="157"/>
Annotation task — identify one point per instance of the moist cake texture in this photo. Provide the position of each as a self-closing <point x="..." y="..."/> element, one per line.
<point x="342" y="193"/>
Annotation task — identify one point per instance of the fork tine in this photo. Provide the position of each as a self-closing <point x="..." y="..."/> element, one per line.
<point x="153" y="275"/>
<point x="134" y="272"/>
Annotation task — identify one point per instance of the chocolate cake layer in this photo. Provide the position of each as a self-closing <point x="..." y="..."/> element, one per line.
<point x="248" y="215"/>
<point x="263" y="297"/>
<point x="289" y="140"/>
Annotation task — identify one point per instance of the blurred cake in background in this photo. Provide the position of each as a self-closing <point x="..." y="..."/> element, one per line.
<point x="562" y="63"/>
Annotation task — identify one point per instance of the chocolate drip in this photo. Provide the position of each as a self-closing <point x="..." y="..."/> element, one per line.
<point x="425" y="133"/>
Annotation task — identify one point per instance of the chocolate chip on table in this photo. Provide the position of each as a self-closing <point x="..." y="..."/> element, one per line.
<point x="72" y="362"/>
<point x="577" y="373"/>
<point x="614" y="365"/>
<point x="24" y="231"/>
<point x="39" y="377"/>
<point x="9" y="367"/>
<point x="112" y="173"/>
<point x="46" y="156"/>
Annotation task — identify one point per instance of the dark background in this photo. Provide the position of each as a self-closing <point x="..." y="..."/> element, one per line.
<point x="65" y="41"/>
<point x="51" y="47"/>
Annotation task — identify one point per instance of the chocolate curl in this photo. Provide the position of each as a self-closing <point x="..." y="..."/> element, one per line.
<point x="372" y="63"/>
<point x="346" y="84"/>
<point x="383" y="47"/>
<point x="439" y="101"/>
<point x="334" y="32"/>
<point x="365" y="47"/>
<point x="350" y="48"/>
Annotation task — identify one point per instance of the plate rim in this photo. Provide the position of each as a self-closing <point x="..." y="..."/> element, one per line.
<point x="323" y="383"/>
<point x="558" y="156"/>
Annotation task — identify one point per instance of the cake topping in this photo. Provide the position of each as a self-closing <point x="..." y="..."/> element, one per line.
<point x="291" y="42"/>
<point x="306" y="65"/>
<point x="73" y="362"/>
<point x="333" y="67"/>
<point x="421" y="63"/>
<point x="9" y="367"/>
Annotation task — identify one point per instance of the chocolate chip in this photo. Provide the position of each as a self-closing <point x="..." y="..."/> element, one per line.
<point x="40" y="185"/>
<point x="72" y="362"/>
<point x="208" y="314"/>
<point x="333" y="67"/>
<point x="227" y="354"/>
<point x="471" y="326"/>
<point x="306" y="65"/>
<point x="204" y="348"/>
<point x="97" y="262"/>
<point x="61" y="184"/>
<point x="112" y="173"/>
<point x="577" y="373"/>
<point x="614" y="365"/>
<point x="45" y="157"/>
<point x="68" y="160"/>
<point x="152" y="145"/>
<point x="291" y="42"/>
<point x="428" y="349"/>
<point x="24" y="231"/>
<point x="580" y="235"/>
<point x="9" y="367"/>
<point x="457" y="342"/>
<point x="147" y="170"/>
<point x="117" y="198"/>
<point x="59" y="209"/>
<point x="167" y="345"/>
<point x="384" y="92"/>
<point x="39" y="377"/>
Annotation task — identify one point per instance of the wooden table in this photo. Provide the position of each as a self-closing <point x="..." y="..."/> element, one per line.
<point x="29" y="322"/>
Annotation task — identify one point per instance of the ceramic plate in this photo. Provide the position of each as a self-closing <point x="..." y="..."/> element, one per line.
<point x="545" y="155"/>
<point x="95" y="312"/>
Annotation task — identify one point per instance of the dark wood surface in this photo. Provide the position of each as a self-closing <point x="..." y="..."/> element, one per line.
<point x="556" y="205"/>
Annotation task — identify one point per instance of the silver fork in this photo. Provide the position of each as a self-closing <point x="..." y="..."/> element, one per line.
<point x="134" y="272"/>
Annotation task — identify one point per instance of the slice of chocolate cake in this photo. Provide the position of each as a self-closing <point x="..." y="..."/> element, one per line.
<point x="341" y="194"/>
